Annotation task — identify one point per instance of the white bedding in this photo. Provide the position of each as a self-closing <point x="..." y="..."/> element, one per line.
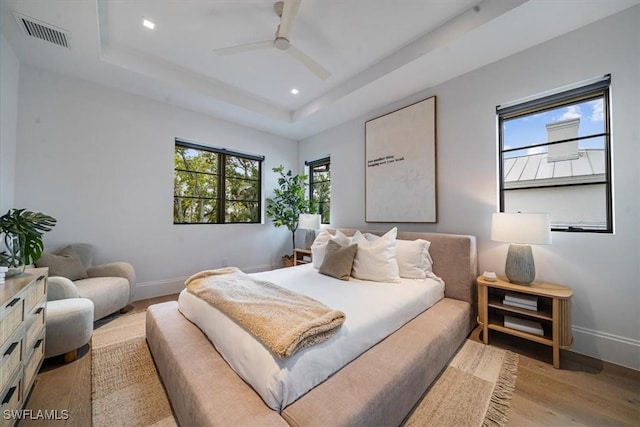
<point x="373" y="311"/>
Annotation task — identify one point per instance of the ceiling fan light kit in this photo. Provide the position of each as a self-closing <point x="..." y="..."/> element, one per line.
<point x="287" y="11"/>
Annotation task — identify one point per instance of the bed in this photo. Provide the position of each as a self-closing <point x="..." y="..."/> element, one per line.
<point x="378" y="387"/>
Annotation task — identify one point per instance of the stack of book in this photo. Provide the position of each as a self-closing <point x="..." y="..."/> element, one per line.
<point x="3" y="271"/>
<point x="523" y="325"/>
<point x="530" y="302"/>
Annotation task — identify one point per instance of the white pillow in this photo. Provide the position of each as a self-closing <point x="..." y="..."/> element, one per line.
<point x="319" y="246"/>
<point x="370" y="237"/>
<point x="342" y="238"/>
<point x="413" y="258"/>
<point x="376" y="260"/>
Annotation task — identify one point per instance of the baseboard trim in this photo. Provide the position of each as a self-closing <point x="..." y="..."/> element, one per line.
<point x="607" y="347"/>
<point x="159" y="288"/>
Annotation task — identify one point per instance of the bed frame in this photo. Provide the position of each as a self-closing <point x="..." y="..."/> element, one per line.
<point x="380" y="387"/>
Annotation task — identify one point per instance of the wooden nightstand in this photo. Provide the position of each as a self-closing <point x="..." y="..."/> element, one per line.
<point x="553" y="312"/>
<point x="301" y="256"/>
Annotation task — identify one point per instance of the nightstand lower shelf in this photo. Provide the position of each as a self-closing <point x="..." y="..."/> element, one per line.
<point x="545" y="339"/>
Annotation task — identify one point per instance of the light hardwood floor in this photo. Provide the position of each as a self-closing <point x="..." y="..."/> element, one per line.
<point x="584" y="392"/>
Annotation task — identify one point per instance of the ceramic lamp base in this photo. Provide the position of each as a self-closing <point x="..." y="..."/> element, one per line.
<point x="309" y="238"/>
<point x="520" y="268"/>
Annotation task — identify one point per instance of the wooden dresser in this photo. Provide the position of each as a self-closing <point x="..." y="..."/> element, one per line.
<point x="23" y="303"/>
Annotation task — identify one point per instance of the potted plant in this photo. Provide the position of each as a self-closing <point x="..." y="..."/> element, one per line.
<point x="22" y="232"/>
<point x="288" y="203"/>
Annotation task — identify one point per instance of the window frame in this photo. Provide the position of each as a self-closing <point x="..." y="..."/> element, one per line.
<point x="312" y="164"/>
<point x="221" y="197"/>
<point x="600" y="88"/>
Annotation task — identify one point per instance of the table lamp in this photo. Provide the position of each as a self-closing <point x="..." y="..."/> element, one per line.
<point x="521" y="230"/>
<point x="311" y="223"/>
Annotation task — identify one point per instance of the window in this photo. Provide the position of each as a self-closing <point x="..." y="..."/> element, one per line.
<point x="555" y="157"/>
<point x="215" y="186"/>
<point x="320" y="186"/>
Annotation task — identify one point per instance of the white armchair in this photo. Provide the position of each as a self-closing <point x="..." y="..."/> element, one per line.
<point x="109" y="286"/>
<point x="78" y="294"/>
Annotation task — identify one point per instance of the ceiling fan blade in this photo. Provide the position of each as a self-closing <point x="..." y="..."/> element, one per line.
<point x="309" y="62"/>
<point x="289" y="12"/>
<point x="244" y="47"/>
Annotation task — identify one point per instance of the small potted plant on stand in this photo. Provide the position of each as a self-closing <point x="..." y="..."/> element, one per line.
<point x="22" y="232"/>
<point x="287" y="204"/>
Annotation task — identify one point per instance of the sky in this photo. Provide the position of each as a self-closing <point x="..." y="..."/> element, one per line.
<point x="529" y="130"/>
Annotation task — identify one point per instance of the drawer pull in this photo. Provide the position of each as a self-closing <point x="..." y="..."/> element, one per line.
<point x="13" y="302"/>
<point x="9" y="395"/>
<point x="37" y="344"/>
<point x="40" y="278"/>
<point x="11" y="348"/>
<point x="39" y="310"/>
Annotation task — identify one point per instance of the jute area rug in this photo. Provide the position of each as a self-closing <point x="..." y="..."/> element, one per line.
<point x="125" y="386"/>
<point x="474" y="390"/>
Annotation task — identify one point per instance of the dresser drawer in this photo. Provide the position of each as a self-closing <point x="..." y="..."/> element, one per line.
<point x="11" y="316"/>
<point x="35" y="292"/>
<point x="34" y="362"/>
<point x="35" y="324"/>
<point x="11" y="400"/>
<point x="11" y="353"/>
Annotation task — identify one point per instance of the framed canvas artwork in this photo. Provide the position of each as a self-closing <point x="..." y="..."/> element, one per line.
<point x="400" y="165"/>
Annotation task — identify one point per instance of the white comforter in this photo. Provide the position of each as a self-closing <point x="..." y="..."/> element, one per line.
<point x="373" y="311"/>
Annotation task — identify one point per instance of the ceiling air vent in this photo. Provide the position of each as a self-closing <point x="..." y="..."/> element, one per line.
<point x="43" y="31"/>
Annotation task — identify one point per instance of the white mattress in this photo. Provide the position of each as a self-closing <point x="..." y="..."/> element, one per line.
<point x="373" y="311"/>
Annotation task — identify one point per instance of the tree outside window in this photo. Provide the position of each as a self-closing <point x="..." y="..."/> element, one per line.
<point x="320" y="186"/>
<point x="215" y="186"/>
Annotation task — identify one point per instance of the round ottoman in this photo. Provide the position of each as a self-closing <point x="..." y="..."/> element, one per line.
<point x="69" y="326"/>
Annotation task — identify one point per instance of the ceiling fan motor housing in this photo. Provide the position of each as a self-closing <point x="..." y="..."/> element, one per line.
<point x="281" y="43"/>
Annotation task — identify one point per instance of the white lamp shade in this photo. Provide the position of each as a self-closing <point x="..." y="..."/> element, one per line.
<point x="309" y="221"/>
<point x="522" y="228"/>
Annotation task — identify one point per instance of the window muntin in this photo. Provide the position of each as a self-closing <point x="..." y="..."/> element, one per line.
<point x="215" y="186"/>
<point x="320" y="186"/>
<point x="555" y="157"/>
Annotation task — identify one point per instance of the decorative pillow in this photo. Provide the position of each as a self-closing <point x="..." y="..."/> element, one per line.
<point x="318" y="248"/>
<point x="376" y="260"/>
<point x="413" y="258"/>
<point x="319" y="245"/>
<point x="370" y="237"/>
<point x="342" y="238"/>
<point x="338" y="260"/>
<point x="64" y="262"/>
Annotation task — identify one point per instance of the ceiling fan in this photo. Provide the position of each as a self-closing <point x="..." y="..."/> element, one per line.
<point x="287" y="11"/>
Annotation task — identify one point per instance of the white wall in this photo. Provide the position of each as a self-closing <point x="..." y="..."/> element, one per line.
<point x="602" y="269"/>
<point x="101" y="162"/>
<point x="9" y="77"/>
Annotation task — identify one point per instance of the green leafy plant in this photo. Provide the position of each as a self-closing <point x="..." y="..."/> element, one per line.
<point x="289" y="202"/>
<point x="26" y="229"/>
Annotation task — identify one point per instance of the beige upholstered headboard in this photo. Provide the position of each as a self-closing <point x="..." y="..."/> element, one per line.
<point x="454" y="260"/>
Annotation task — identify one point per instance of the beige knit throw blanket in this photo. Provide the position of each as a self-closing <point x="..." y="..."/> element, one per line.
<point x="284" y="321"/>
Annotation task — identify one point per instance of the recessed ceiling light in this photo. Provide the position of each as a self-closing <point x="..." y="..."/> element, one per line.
<point x="295" y="91"/>
<point x="150" y="25"/>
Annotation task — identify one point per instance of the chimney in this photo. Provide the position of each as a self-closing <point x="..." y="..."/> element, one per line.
<point x="559" y="131"/>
